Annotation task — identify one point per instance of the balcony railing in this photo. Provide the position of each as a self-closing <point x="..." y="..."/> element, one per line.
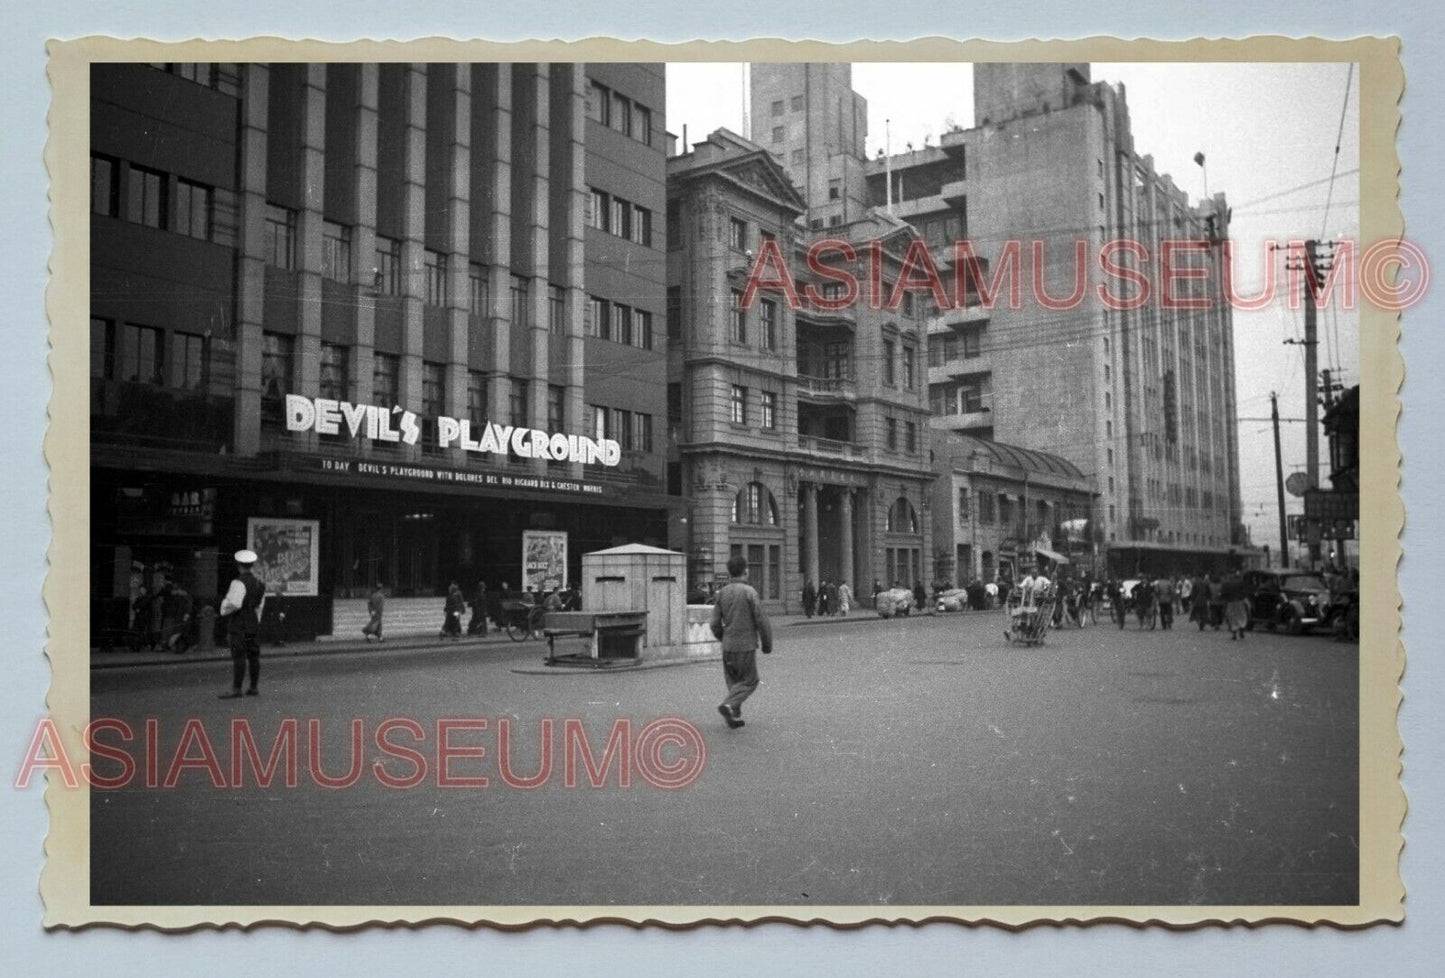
<point x="826" y="386"/>
<point x="829" y="446"/>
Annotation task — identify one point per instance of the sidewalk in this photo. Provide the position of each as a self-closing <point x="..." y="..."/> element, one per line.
<point x="121" y="658"/>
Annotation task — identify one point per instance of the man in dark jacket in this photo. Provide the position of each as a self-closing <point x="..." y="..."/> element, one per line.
<point x="810" y="599"/>
<point x="920" y="596"/>
<point x="241" y="607"/>
<point x="739" y="621"/>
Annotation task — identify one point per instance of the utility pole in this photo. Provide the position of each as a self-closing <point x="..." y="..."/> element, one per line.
<point x="1279" y="484"/>
<point x="1314" y="269"/>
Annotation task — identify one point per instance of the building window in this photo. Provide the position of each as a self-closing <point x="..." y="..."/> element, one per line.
<point x="777" y="108"/>
<point x="622" y="430"/>
<point x="555" y="397"/>
<point x="433" y="403"/>
<point x="755" y="504"/>
<point x="478" y="289"/>
<point x="276" y="355"/>
<point x="619" y="221"/>
<point x="674" y="312"/>
<point x="835" y="188"/>
<point x="797" y="157"/>
<point x="477" y="409"/>
<point x="142" y="355"/>
<point x="775" y="572"/>
<point x="597" y="209"/>
<point x="146" y="197"/>
<point x="890" y="376"/>
<point x="985" y="507"/>
<point x="102" y="349"/>
<point x="188" y="361"/>
<point x="909" y="368"/>
<point x="335" y="376"/>
<point x="599" y="422"/>
<point x="642" y="328"/>
<point x="836" y="360"/>
<point x="193" y="210"/>
<point x="385" y="379"/>
<point x="642" y="432"/>
<point x="556" y="309"/>
<point x="642" y="124"/>
<point x="104" y="186"/>
<point x="621" y="113"/>
<point x="738" y="318"/>
<point x="963" y="504"/>
<point x="521" y="308"/>
<point x="739" y="404"/>
<point x="642" y="225"/>
<point x="434" y="263"/>
<point x="280" y="241"/>
<point x="599" y="103"/>
<point x="597" y="324"/>
<point x="769" y="410"/>
<point x="910" y="436"/>
<point x="768" y="323"/>
<point x="335" y="251"/>
<point x="520" y="390"/>
<point x="892" y="434"/>
<point x="387" y="274"/>
<point x="902" y="518"/>
<point x="674" y="403"/>
<point x="621" y="323"/>
<point x="737" y="234"/>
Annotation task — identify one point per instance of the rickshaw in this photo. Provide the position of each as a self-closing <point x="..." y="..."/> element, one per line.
<point x="1030" y="615"/>
<point x="523" y="619"/>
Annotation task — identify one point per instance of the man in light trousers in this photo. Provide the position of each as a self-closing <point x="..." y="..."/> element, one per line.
<point x="739" y="621"/>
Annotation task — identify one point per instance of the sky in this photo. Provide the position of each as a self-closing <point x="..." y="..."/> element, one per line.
<point x="1269" y="134"/>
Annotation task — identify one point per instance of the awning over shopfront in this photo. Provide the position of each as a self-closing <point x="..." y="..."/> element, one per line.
<point x="1048" y="554"/>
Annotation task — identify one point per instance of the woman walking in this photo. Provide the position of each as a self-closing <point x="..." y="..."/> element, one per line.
<point x="456" y="604"/>
<point x="1236" y="606"/>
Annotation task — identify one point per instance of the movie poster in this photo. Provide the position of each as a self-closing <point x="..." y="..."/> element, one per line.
<point x="544" y="560"/>
<point x="287" y="554"/>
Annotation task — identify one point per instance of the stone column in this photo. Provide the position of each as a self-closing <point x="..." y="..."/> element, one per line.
<point x="845" y="538"/>
<point x="498" y="115"/>
<point x="459" y="190"/>
<point x="413" y="230"/>
<point x="306" y="376"/>
<point x="363" y="234"/>
<point x="810" y="532"/>
<point x="251" y="261"/>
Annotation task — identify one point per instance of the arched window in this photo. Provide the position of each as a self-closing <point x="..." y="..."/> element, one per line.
<point x="902" y="518"/>
<point x="756" y="505"/>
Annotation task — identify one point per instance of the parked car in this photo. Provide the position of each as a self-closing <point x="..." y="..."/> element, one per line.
<point x="1294" y="601"/>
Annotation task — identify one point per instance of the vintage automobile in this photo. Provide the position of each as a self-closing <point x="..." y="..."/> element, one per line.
<point x="1294" y="601"/>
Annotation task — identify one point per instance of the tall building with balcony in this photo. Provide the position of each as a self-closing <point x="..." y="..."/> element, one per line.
<point x="800" y="433"/>
<point x="1140" y="400"/>
<point x="427" y="246"/>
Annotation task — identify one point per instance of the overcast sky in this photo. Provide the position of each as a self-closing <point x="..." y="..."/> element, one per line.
<point x="1268" y="132"/>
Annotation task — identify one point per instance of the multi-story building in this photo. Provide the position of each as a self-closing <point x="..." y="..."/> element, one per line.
<point x="997" y="508"/>
<point x="801" y="433"/>
<point x="1139" y="399"/>
<point x="329" y="298"/>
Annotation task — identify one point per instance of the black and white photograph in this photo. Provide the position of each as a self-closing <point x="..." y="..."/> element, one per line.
<point x="859" y="489"/>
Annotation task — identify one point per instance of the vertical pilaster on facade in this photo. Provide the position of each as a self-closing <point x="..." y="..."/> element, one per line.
<point x="499" y="234"/>
<point x="458" y="245"/>
<point x="845" y="537"/>
<point x="572" y="277"/>
<point x="810" y="532"/>
<point x="363" y="235"/>
<point x="535" y="263"/>
<point x="251" y="263"/>
<point x="309" y="222"/>
<point x="413" y="228"/>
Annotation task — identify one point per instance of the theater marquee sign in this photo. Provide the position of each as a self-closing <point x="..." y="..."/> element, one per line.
<point x="398" y="426"/>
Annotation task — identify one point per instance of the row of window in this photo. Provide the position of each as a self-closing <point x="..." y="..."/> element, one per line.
<point x="619" y="323"/>
<point x="910" y="435"/>
<point x="222" y="77"/>
<point x="954" y="347"/>
<point x="890" y="365"/>
<point x="617" y="111"/>
<point x="140" y="355"/>
<point x="161" y="200"/>
<point x="738" y="407"/>
<point x="610" y="213"/>
<point x="630" y="429"/>
<point x="738" y="320"/>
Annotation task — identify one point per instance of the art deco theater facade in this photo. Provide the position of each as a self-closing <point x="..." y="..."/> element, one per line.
<point x="397" y="314"/>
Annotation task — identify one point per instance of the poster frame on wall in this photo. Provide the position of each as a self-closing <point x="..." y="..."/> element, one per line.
<point x="548" y="575"/>
<point x="257" y="527"/>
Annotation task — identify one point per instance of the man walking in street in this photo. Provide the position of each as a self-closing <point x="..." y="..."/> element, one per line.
<point x="241" y="607"/>
<point x="376" y="607"/>
<point x="739" y="621"/>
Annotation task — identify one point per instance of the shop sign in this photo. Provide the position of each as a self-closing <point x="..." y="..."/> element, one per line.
<point x="395" y="425"/>
<point x="458" y="477"/>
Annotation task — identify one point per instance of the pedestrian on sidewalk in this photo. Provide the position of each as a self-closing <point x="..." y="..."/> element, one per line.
<point x="1236" y="606"/>
<point x="845" y="598"/>
<point x="478" y="623"/>
<point x="242" y="607"/>
<point x="739" y="621"/>
<point x="810" y="599"/>
<point x="455" y="605"/>
<point x="376" y="606"/>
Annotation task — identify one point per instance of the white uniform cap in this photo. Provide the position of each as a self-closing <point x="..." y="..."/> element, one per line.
<point x="245" y="556"/>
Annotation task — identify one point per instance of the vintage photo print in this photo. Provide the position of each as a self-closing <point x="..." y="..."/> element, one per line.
<point x="619" y="481"/>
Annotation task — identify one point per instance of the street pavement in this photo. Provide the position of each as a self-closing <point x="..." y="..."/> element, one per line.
<point x="917" y="761"/>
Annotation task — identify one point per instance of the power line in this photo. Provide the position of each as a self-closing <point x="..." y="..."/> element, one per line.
<point x="1339" y="135"/>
